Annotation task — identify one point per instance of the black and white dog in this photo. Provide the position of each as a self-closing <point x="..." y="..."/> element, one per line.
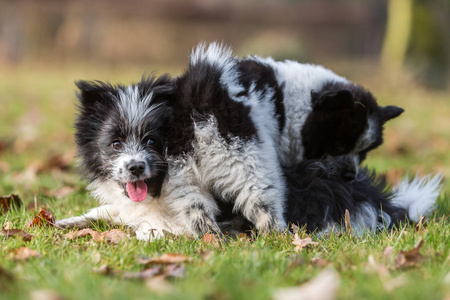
<point x="164" y="154"/>
<point x="327" y="126"/>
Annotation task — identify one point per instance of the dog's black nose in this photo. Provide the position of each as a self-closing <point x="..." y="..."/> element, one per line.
<point x="136" y="168"/>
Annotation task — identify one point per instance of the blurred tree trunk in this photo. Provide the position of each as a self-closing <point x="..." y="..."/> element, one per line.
<point x="398" y="31"/>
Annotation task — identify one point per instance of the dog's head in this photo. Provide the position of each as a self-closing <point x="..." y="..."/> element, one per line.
<point x="119" y="133"/>
<point x="346" y="121"/>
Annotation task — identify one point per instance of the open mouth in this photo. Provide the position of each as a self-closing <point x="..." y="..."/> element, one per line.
<point x="136" y="190"/>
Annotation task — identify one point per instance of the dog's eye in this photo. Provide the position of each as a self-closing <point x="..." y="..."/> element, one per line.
<point x="150" y="142"/>
<point x="116" y="145"/>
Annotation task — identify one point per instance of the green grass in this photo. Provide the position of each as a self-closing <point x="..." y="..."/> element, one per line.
<point x="36" y="122"/>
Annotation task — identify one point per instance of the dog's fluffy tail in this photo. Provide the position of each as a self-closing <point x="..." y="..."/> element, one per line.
<point x="418" y="197"/>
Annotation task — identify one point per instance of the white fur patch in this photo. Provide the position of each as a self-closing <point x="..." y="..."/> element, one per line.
<point x="418" y="196"/>
<point x="368" y="137"/>
<point x="133" y="107"/>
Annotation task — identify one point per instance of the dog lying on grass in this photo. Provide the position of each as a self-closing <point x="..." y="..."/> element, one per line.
<point x="165" y="154"/>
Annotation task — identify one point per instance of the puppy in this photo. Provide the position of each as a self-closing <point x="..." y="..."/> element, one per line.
<point x="327" y="126"/>
<point x="159" y="154"/>
<point x="122" y="151"/>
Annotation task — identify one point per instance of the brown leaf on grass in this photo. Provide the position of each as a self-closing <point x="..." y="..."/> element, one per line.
<point x="410" y="258"/>
<point x="77" y="234"/>
<point x="24" y="253"/>
<point x="211" y="239"/>
<point x="17" y="232"/>
<point x="348" y="223"/>
<point x="8" y="225"/>
<point x="7" y="202"/>
<point x="165" y="259"/>
<point x="323" y="287"/>
<point x="45" y="295"/>
<point x="421" y="225"/>
<point x="44" y="218"/>
<point x="302" y="243"/>
<point x="113" y="236"/>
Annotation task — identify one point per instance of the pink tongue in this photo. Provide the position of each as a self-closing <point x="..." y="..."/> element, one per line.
<point x="137" y="191"/>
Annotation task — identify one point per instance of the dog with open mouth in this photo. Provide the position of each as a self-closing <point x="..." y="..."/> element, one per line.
<point x="159" y="154"/>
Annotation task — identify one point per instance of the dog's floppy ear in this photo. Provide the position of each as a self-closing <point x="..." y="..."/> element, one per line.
<point x="389" y="112"/>
<point x="332" y="100"/>
<point x="92" y="92"/>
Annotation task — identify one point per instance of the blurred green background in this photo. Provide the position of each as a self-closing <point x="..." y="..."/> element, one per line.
<point x="398" y="49"/>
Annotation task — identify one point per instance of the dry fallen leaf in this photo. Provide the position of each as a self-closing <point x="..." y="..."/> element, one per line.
<point x="166" y="258"/>
<point x="410" y="258"/>
<point x="24" y="253"/>
<point x="45" y="295"/>
<point x="80" y="233"/>
<point x="44" y="218"/>
<point x="323" y="287"/>
<point x="17" y="232"/>
<point x="421" y="225"/>
<point x="301" y="243"/>
<point x="113" y="236"/>
<point x="211" y="239"/>
<point x="347" y="220"/>
<point x="8" y="225"/>
<point x="7" y="202"/>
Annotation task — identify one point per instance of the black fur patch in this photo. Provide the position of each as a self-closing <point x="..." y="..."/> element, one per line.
<point x="340" y="115"/>
<point x="263" y="76"/>
<point x="317" y="196"/>
<point x="200" y="95"/>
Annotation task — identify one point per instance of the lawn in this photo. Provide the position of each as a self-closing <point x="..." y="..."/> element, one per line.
<point x="37" y="163"/>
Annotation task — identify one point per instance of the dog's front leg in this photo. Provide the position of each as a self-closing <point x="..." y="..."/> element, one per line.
<point x="105" y="212"/>
<point x="192" y="205"/>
